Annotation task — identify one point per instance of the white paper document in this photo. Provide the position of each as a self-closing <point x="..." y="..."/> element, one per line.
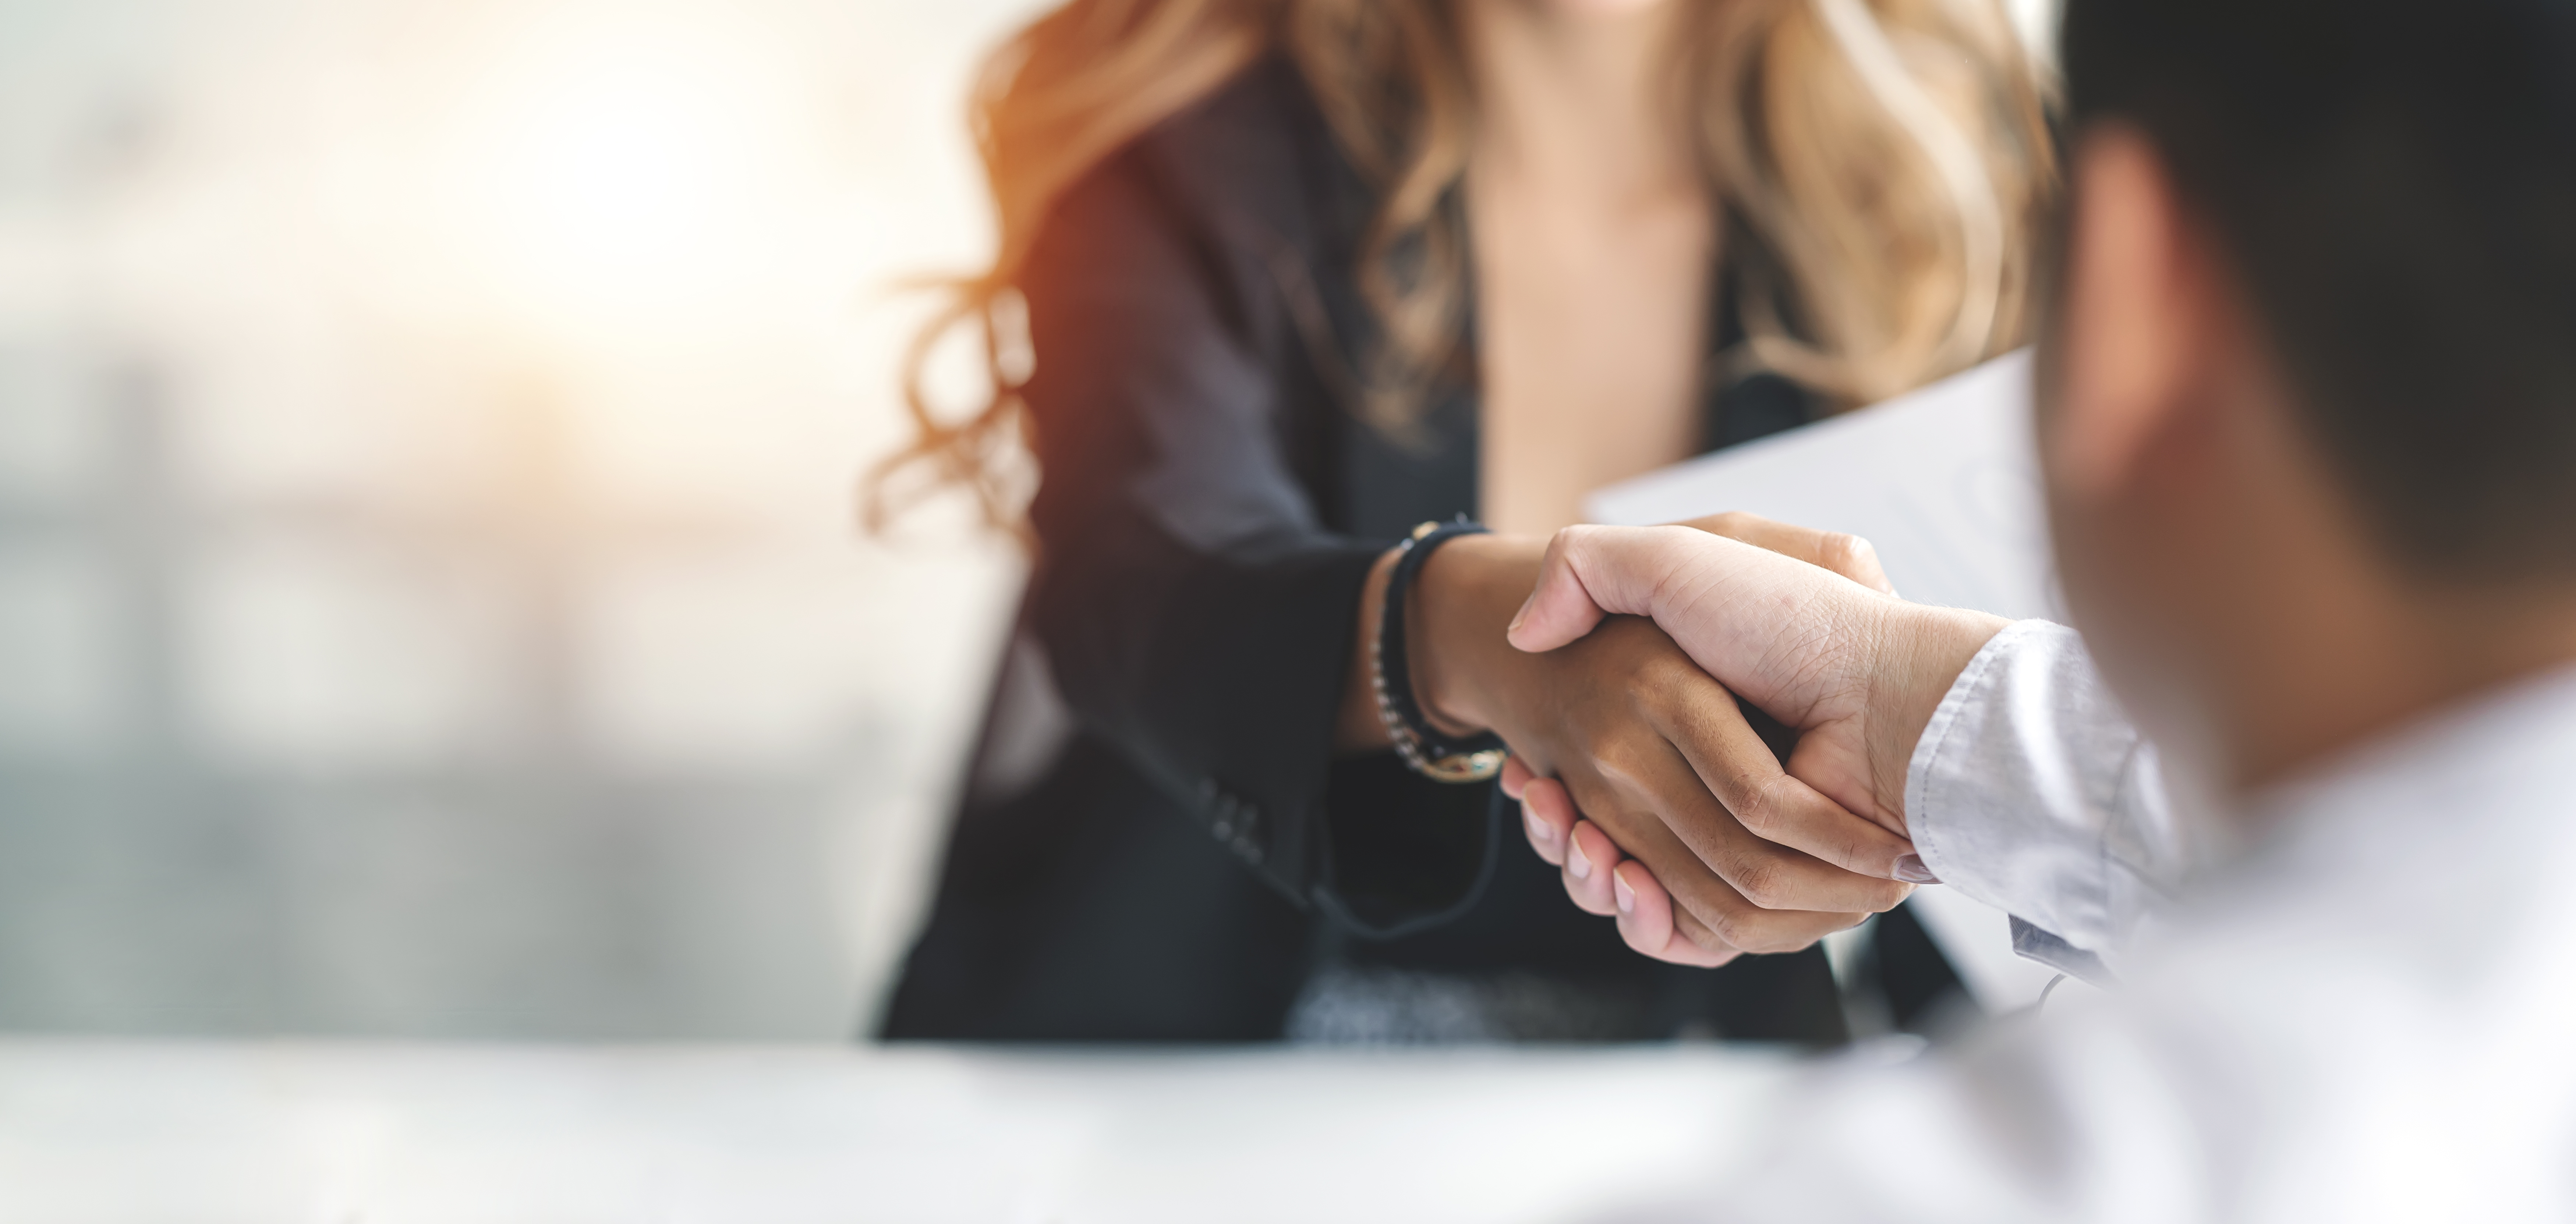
<point x="1944" y="482"/>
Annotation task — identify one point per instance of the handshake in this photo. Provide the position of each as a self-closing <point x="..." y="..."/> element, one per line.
<point x="1622" y="688"/>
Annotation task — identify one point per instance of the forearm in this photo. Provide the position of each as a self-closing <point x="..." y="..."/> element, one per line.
<point x="1216" y="674"/>
<point x="1400" y="850"/>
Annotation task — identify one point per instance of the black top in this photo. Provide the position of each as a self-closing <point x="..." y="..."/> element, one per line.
<point x="1210" y="508"/>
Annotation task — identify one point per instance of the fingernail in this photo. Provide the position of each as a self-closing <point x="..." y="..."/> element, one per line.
<point x="1910" y="869"/>
<point x="1576" y="863"/>
<point x="1627" y="897"/>
<point x="1539" y="830"/>
<point x="1517" y="618"/>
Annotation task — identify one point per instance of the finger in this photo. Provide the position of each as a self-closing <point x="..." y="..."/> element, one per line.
<point x="1548" y="816"/>
<point x="1516" y="774"/>
<point x="1773" y="934"/>
<point x="1786" y="931"/>
<point x="1589" y="572"/>
<point x="1728" y="758"/>
<point x="1847" y="555"/>
<point x="1559" y="609"/>
<point x="1676" y="814"/>
<point x="1726" y="917"/>
<point x="1646" y="921"/>
<point x="1589" y="856"/>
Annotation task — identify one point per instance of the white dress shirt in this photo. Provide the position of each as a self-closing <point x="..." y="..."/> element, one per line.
<point x="2367" y="1012"/>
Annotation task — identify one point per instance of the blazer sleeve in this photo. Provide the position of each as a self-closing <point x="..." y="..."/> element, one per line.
<point x="1195" y="610"/>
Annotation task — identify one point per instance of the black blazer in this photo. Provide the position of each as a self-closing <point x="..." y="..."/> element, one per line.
<point x="1211" y="505"/>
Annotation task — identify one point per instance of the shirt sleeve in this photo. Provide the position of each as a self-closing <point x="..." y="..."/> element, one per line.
<point x="1194" y="607"/>
<point x="2032" y="792"/>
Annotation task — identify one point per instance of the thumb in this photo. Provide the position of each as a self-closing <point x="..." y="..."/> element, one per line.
<point x="1588" y="573"/>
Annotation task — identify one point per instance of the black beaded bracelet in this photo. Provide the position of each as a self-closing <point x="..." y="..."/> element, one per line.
<point x="1422" y="747"/>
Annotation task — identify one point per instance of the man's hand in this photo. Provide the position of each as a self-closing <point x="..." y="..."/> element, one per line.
<point x="1853" y="669"/>
<point x="1630" y="728"/>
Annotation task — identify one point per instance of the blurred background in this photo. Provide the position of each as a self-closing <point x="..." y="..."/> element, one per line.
<point x="430" y="596"/>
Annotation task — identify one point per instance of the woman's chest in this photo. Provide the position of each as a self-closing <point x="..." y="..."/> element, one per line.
<point x="1592" y="343"/>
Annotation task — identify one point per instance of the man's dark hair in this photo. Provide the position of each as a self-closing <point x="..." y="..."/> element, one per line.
<point x="2395" y="182"/>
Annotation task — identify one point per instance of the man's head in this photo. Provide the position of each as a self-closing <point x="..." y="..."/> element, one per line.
<point x="2311" y="410"/>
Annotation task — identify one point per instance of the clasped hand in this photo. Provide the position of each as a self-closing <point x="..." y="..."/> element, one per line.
<point x="1701" y="843"/>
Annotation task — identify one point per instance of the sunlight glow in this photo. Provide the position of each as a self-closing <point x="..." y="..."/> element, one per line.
<point x="631" y="167"/>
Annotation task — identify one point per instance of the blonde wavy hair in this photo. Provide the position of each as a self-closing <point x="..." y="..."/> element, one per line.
<point x="1889" y="159"/>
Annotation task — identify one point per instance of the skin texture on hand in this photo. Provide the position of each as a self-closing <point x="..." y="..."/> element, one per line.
<point x="1599" y="879"/>
<point x="1657" y="754"/>
<point x="1855" y="670"/>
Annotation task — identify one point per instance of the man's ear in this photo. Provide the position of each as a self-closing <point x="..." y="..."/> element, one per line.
<point x="2126" y="326"/>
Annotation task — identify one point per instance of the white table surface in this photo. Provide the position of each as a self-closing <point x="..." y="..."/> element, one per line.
<point x="338" y="1133"/>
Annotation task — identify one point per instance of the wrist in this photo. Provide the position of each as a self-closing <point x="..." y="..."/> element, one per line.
<point x="1461" y="603"/>
<point x="1359" y="727"/>
<point x="1924" y="650"/>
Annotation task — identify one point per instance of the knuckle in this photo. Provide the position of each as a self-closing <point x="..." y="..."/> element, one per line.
<point x="1621" y="761"/>
<point x="1755" y="800"/>
<point x="1841" y="551"/>
<point x="1659" y="664"/>
<point x="1762" y="878"/>
<point x="1669" y="683"/>
<point x="1786" y="933"/>
<point x="1730" y="925"/>
<point x="1712" y="948"/>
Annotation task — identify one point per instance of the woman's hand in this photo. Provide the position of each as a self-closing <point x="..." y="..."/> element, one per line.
<point x="1657" y="755"/>
<point x="1857" y="673"/>
<point x="1607" y="882"/>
